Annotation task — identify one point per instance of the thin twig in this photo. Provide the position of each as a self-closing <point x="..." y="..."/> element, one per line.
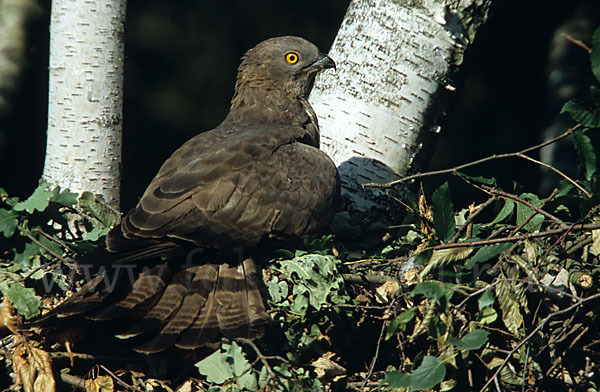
<point x="590" y="226"/>
<point x="472" y="217"/>
<point x="74" y="381"/>
<point x="53" y="239"/>
<point x="580" y="244"/>
<point x="563" y="175"/>
<point x="477" y="292"/>
<point x="497" y="384"/>
<point x="577" y="42"/>
<point x="525" y="370"/>
<point x="366" y="307"/>
<point x="530" y="217"/>
<point x="264" y="359"/>
<point x="497" y="192"/>
<point x="31" y="237"/>
<point x="360" y="278"/>
<point x="397" y="200"/>
<point x="474" y="163"/>
<point x="374" y="360"/>
<point x="36" y="269"/>
<point x="90" y="357"/>
<point x="541" y="325"/>
<point x="558" y="240"/>
<point x="119" y="381"/>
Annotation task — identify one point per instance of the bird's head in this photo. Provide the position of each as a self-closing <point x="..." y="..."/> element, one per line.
<point x="275" y="73"/>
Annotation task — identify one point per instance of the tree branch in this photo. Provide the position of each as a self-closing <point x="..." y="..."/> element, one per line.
<point x="589" y="226"/>
<point x="563" y="175"/>
<point x="474" y="163"/>
<point x="497" y="192"/>
<point x="577" y="42"/>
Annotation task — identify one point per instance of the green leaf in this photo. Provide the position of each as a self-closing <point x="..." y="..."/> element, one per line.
<point x="524" y="212"/>
<point x="316" y="281"/>
<point x="474" y="340"/>
<point x="433" y="290"/>
<point x="65" y="198"/>
<point x="398" y="324"/>
<point x="39" y="200"/>
<point x="22" y="298"/>
<point x="486" y="300"/>
<point x="488" y="315"/>
<point x="278" y="290"/>
<point x="51" y="245"/>
<point x="431" y="372"/>
<point x="300" y="303"/>
<point x="30" y="250"/>
<point x="487" y="253"/>
<point x="240" y="366"/>
<point x="443" y="213"/>
<point x="586" y="115"/>
<point x="586" y="153"/>
<point x="437" y="328"/>
<point x="595" y="54"/>
<point x="397" y="379"/>
<point x="97" y="208"/>
<point x="504" y="213"/>
<point x="96" y="233"/>
<point x="8" y="222"/>
<point x="216" y="367"/>
<point x="263" y="378"/>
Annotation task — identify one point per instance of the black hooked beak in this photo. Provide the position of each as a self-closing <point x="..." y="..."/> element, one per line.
<point x="323" y="62"/>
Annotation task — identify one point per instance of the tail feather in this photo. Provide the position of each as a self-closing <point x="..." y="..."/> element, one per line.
<point x="234" y="308"/>
<point x="89" y="297"/>
<point x="145" y="292"/>
<point x="188" y="308"/>
<point x="170" y="301"/>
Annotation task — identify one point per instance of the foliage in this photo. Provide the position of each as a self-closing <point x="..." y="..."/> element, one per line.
<point x="503" y="291"/>
<point x="39" y="237"/>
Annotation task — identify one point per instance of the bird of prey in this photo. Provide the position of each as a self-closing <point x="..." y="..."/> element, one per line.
<point x="178" y="271"/>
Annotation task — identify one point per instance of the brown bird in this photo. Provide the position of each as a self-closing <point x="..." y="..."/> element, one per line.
<point x="174" y="269"/>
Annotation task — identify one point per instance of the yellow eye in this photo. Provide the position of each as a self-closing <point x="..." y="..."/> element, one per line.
<point x="291" y="58"/>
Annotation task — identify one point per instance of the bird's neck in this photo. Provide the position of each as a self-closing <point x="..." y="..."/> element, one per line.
<point x="259" y="104"/>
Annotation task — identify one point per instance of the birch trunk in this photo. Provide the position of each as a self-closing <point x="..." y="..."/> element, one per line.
<point x="395" y="65"/>
<point x="83" y="151"/>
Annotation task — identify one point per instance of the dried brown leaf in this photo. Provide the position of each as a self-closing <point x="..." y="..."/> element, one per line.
<point x="33" y="367"/>
<point x="185" y="387"/>
<point x="326" y="368"/>
<point x="426" y="214"/>
<point x="595" y="247"/>
<point x="411" y="276"/>
<point x="9" y="317"/>
<point x="509" y="298"/>
<point x="387" y="292"/>
<point x="421" y="326"/>
<point x="100" y="384"/>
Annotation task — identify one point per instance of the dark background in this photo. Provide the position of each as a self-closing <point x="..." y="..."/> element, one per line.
<point x="181" y="60"/>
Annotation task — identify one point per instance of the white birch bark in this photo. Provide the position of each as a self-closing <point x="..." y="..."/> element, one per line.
<point x="83" y="151"/>
<point x="395" y="60"/>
